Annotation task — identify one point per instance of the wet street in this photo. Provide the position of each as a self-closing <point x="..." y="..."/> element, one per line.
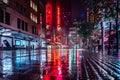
<point x="58" y="64"/>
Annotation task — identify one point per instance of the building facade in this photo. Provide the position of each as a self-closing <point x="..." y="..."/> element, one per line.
<point x="53" y="20"/>
<point x="20" y="23"/>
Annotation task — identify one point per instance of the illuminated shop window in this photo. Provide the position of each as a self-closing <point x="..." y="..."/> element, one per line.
<point x="5" y="1"/>
<point x="18" y="42"/>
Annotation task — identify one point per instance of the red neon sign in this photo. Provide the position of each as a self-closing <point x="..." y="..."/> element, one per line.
<point x="58" y="16"/>
<point x="48" y="14"/>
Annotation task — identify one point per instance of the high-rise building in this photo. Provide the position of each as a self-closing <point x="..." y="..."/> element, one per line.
<point x="66" y="12"/>
<point x="20" y="23"/>
<point x="78" y="10"/>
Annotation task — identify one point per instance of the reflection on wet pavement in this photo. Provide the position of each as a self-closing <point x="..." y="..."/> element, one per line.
<point x="58" y="64"/>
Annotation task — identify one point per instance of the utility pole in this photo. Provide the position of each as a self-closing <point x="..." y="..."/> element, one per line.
<point x="103" y="33"/>
<point x="109" y="47"/>
<point x="117" y="35"/>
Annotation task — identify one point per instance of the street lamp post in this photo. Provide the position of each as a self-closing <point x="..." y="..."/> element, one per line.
<point x="109" y="47"/>
<point x="117" y="35"/>
<point x="103" y="33"/>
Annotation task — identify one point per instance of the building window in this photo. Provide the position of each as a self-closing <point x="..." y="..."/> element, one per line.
<point x="36" y="8"/>
<point x="34" y="30"/>
<point x="22" y="25"/>
<point x="18" y="23"/>
<point x="21" y="9"/>
<point x="26" y="26"/>
<point x="33" y="5"/>
<point x="33" y="17"/>
<point x="1" y="16"/>
<point x="5" y="1"/>
<point x="7" y="18"/>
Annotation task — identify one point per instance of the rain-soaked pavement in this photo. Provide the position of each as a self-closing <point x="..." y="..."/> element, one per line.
<point x="58" y="64"/>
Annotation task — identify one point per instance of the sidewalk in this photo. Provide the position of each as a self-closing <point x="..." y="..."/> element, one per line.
<point x="103" y="66"/>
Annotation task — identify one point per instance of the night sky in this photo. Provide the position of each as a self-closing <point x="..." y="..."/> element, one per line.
<point x="78" y="9"/>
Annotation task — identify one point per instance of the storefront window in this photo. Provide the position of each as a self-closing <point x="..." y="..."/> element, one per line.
<point x="18" y="42"/>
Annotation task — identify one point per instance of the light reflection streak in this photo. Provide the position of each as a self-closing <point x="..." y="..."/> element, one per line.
<point x="70" y="59"/>
<point x="7" y="67"/>
<point x="79" y="72"/>
<point x="61" y="61"/>
<point x="49" y="52"/>
<point x="57" y="66"/>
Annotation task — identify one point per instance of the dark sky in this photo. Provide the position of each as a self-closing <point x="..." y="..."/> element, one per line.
<point x="78" y="9"/>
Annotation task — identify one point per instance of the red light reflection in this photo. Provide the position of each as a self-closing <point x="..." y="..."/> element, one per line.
<point x="56" y="70"/>
<point x="46" y="77"/>
<point x="48" y="14"/>
<point x="58" y="16"/>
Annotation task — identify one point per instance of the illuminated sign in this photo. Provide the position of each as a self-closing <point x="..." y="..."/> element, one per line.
<point x="48" y="14"/>
<point x="58" y="16"/>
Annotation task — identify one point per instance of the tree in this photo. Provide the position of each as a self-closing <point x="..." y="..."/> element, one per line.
<point x="85" y="29"/>
<point x="99" y="7"/>
<point x="107" y="9"/>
